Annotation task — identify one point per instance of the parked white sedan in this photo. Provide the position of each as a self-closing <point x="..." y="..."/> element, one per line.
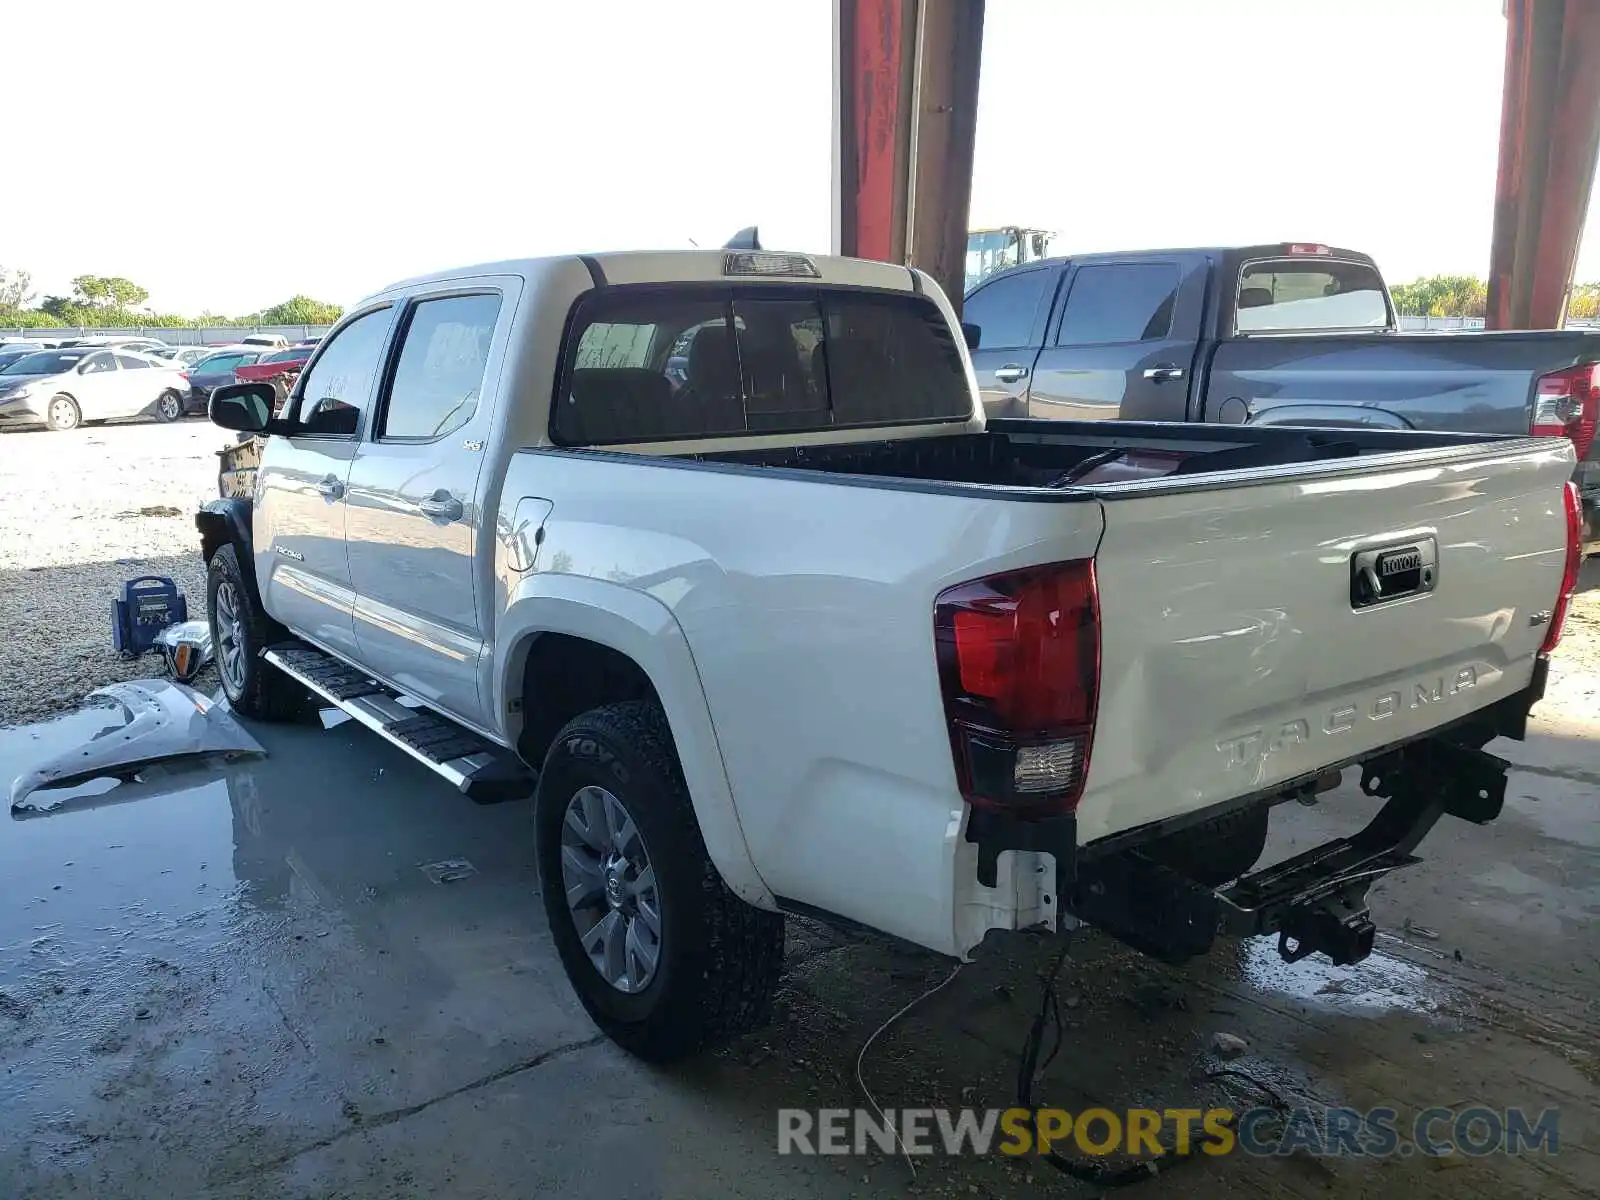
<point x="64" y="388"/>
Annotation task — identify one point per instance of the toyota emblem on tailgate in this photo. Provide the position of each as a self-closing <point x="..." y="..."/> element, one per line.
<point x="1393" y="572"/>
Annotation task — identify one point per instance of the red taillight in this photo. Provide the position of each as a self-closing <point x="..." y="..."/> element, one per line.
<point x="1019" y="666"/>
<point x="1309" y="248"/>
<point x="1569" y="575"/>
<point x="1566" y="404"/>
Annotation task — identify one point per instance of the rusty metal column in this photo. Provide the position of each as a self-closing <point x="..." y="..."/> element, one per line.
<point x="905" y="116"/>
<point x="1549" y="135"/>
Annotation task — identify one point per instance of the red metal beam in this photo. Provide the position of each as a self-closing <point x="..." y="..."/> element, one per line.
<point x="1549" y="137"/>
<point x="872" y="109"/>
<point x="905" y="115"/>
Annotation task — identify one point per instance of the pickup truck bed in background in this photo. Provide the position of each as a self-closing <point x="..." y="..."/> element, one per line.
<point x="1286" y="334"/>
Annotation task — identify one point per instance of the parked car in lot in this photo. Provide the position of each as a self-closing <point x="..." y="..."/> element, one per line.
<point x="9" y="356"/>
<point x="116" y="341"/>
<point x="804" y="631"/>
<point x="269" y="341"/>
<point x="64" y="388"/>
<point x="214" y="371"/>
<point x="183" y="356"/>
<point x="1281" y="334"/>
<point x="276" y="362"/>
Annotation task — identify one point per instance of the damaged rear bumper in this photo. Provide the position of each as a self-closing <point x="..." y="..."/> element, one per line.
<point x="1313" y="902"/>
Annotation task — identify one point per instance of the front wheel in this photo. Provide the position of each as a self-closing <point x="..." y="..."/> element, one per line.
<point x="169" y="407"/>
<point x="664" y="957"/>
<point x="239" y="632"/>
<point x="63" y="413"/>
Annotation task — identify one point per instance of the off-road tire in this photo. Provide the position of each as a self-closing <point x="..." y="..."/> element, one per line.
<point x="720" y="957"/>
<point x="1217" y="851"/>
<point x="264" y="692"/>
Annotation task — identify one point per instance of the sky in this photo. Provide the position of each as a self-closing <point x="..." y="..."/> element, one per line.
<point x="227" y="155"/>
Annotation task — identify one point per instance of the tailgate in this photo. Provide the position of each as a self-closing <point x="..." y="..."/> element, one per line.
<point x="1240" y="643"/>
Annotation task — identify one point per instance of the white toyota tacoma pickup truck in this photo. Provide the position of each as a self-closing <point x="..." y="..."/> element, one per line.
<point x="714" y="554"/>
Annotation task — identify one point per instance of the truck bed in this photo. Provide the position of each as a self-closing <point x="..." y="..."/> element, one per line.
<point x="1022" y="453"/>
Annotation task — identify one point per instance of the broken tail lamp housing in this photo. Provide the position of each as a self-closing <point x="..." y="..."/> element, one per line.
<point x="1019" y="668"/>
<point x="769" y="263"/>
<point x="1569" y="573"/>
<point x="1567" y="404"/>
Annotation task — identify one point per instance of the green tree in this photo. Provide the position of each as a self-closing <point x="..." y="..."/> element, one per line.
<point x="302" y="310"/>
<point x="14" y="290"/>
<point x="62" y="308"/>
<point x="1584" y="302"/>
<point x="110" y="292"/>
<point x="1441" y="296"/>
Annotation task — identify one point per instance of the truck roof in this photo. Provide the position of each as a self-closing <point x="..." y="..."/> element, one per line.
<point x="1308" y="250"/>
<point x="686" y="266"/>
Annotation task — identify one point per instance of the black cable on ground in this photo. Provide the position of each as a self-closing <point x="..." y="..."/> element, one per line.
<point x="1099" y="1173"/>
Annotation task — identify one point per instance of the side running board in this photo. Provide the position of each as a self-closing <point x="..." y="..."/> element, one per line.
<point x="479" y="769"/>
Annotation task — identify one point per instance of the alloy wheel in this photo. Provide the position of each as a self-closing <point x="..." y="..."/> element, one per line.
<point x="611" y="889"/>
<point x="231" y="647"/>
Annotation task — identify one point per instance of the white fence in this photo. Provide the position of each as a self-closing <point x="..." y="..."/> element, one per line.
<point x="208" y="335"/>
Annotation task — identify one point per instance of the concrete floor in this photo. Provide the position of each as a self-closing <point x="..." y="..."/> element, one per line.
<point x="243" y="982"/>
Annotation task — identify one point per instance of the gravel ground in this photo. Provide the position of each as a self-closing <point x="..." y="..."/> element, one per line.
<point x="81" y="512"/>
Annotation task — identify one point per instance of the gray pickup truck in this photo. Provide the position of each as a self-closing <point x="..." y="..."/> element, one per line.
<point x="1282" y="334"/>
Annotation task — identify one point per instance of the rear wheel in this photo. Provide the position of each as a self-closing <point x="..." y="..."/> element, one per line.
<point x="169" y="407"/>
<point x="63" y="413"/>
<point x="663" y="956"/>
<point x="239" y="632"/>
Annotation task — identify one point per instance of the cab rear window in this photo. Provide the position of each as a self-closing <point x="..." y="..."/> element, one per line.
<point x="676" y="363"/>
<point x="1307" y="295"/>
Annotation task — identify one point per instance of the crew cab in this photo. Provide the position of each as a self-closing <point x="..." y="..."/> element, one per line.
<point x="1292" y="333"/>
<point x="716" y="555"/>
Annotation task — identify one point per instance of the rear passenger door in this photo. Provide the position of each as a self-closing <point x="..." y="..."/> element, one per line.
<point x="1121" y="343"/>
<point x="137" y="384"/>
<point x="416" y="521"/>
<point x="1009" y="312"/>
<point x="98" y="388"/>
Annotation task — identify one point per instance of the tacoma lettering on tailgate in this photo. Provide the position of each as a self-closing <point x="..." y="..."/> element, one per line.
<point x="1250" y="748"/>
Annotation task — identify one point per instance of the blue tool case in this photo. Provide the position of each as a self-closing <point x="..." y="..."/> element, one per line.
<point x="147" y="606"/>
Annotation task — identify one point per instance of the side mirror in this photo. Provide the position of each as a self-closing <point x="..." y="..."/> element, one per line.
<point x="246" y="407"/>
<point x="972" y="333"/>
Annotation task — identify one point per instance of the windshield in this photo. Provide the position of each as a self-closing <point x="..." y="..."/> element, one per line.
<point x="46" y="362"/>
<point x="990" y="251"/>
<point x="1288" y="294"/>
<point x="286" y="356"/>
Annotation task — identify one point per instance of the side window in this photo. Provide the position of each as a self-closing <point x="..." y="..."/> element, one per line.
<point x="440" y="374"/>
<point x="1119" y="302"/>
<point x="129" y="363"/>
<point x="98" y="363"/>
<point x="1003" y="310"/>
<point x="336" y="388"/>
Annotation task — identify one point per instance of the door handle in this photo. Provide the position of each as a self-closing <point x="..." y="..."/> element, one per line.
<point x="1010" y="373"/>
<point x="331" y="487"/>
<point x="1162" y="374"/>
<point x="441" y="506"/>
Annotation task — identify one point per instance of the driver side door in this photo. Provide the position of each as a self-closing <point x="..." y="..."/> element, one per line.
<point x="298" y="516"/>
